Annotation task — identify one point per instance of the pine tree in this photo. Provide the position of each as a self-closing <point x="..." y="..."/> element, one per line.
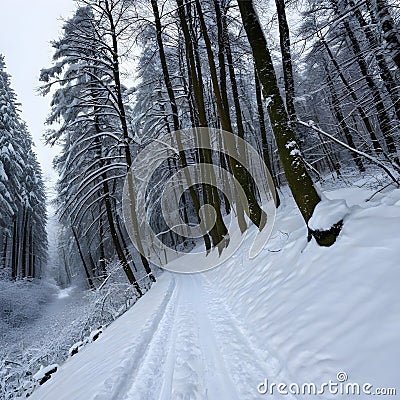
<point x="23" y="236"/>
<point x="90" y="100"/>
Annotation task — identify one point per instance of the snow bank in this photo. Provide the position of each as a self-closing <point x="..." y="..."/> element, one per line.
<point x="321" y="311"/>
<point x="328" y="213"/>
<point x="45" y="373"/>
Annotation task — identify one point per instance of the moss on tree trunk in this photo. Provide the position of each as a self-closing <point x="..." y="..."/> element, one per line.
<point x="299" y="181"/>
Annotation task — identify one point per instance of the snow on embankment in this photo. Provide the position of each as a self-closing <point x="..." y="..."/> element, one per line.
<point x="322" y="311"/>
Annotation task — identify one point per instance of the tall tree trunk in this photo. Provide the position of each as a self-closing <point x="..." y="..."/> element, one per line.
<point x="342" y="122"/>
<point x="164" y="66"/>
<point x="109" y="212"/>
<point x="24" y="247"/>
<point x="31" y="272"/>
<point x="297" y="176"/>
<point x="284" y="35"/>
<point x="210" y="193"/>
<point x="219" y="231"/>
<point x="385" y="73"/>
<point x="263" y="131"/>
<point x="102" y="261"/>
<point x="14" y="257"/>
<point x="203" y="156"/>
<point x="255" y="212"/>
<point x="114" y="236"/>
<point x="390" y="31"/>
<point x="66" y="267"/>
<point x="375" y="142"/>
<point x="382" y="115"/>
<point x="197" y="89"/>
<point x="5" y="248"/>
<point x="224" y="49"/>
<point x="223" y="87"/>
<point x="124" y="126"/>
<point x="187" y="85"/>
<point x="85" y="267"/>
<point x="175" y="117"/>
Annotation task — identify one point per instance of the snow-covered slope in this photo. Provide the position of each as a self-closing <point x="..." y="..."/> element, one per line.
<point x="321" y="311"/>
<point x="297" y="313"/>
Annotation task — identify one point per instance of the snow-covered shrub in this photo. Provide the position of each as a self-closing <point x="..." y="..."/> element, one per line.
<point x="113" y="298"/>
<point x="89" y="339"/>
<point x="21" y="302"/>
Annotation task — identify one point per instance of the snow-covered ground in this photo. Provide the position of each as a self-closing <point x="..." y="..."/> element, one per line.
<point x="296" y="314"/>
<point x="45" y="321"/>
<point x="57" y="314"/>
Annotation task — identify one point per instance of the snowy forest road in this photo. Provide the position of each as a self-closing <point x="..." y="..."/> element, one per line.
<point x="205" y="354"/>
<point x="178" y="342"/>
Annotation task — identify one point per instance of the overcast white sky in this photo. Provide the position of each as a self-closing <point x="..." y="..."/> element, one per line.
<point x="26" y="29"/>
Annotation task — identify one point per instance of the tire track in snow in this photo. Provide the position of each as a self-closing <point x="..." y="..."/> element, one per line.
<point x="246" y="366"/>
<point x="146" y="381"/>
<point x="187" y="378"/>
<point x="197" y="351"/>
<point x="124" y="375"/>
<point x="199" y="372"/>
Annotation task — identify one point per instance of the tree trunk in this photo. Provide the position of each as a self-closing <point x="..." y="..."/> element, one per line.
<point x="175" y="118"/>
<point x="342" y="122"/>
<point x="102" y="261"/>
<point x="375" y="142"/>
<point x="284" y="35"/>
<point x="5" y="247"/>
<point x="31" y="271"/>
<point x="14" y="257"/>
<point x="389" y="29"/>
<point x="219" y="231"/>
<point x="384" y="69"/>
<point x="85" y="267"/>
<point x="263" y="131"/>
<point x="24" y="247"/>
<point x="255" y="212"/>
<point x="124" y="126"/>
<point x="109" y="212"/>
<point x="297" y="176"/>
<point x="382" y="115"/>
<point x="225" y="49"/>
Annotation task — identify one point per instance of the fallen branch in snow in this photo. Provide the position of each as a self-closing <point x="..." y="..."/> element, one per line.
<point x="378" y="191"/>
<point x="374" y="160"/>
<point x="320" y="177"/>
<point x="7" y="362"/>
<point x="110" y="275"/>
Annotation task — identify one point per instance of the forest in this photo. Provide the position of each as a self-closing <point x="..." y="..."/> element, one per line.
<point x="326" y="103"/>
<point x="311" y="88"/>
<point x="208" y="64"/>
